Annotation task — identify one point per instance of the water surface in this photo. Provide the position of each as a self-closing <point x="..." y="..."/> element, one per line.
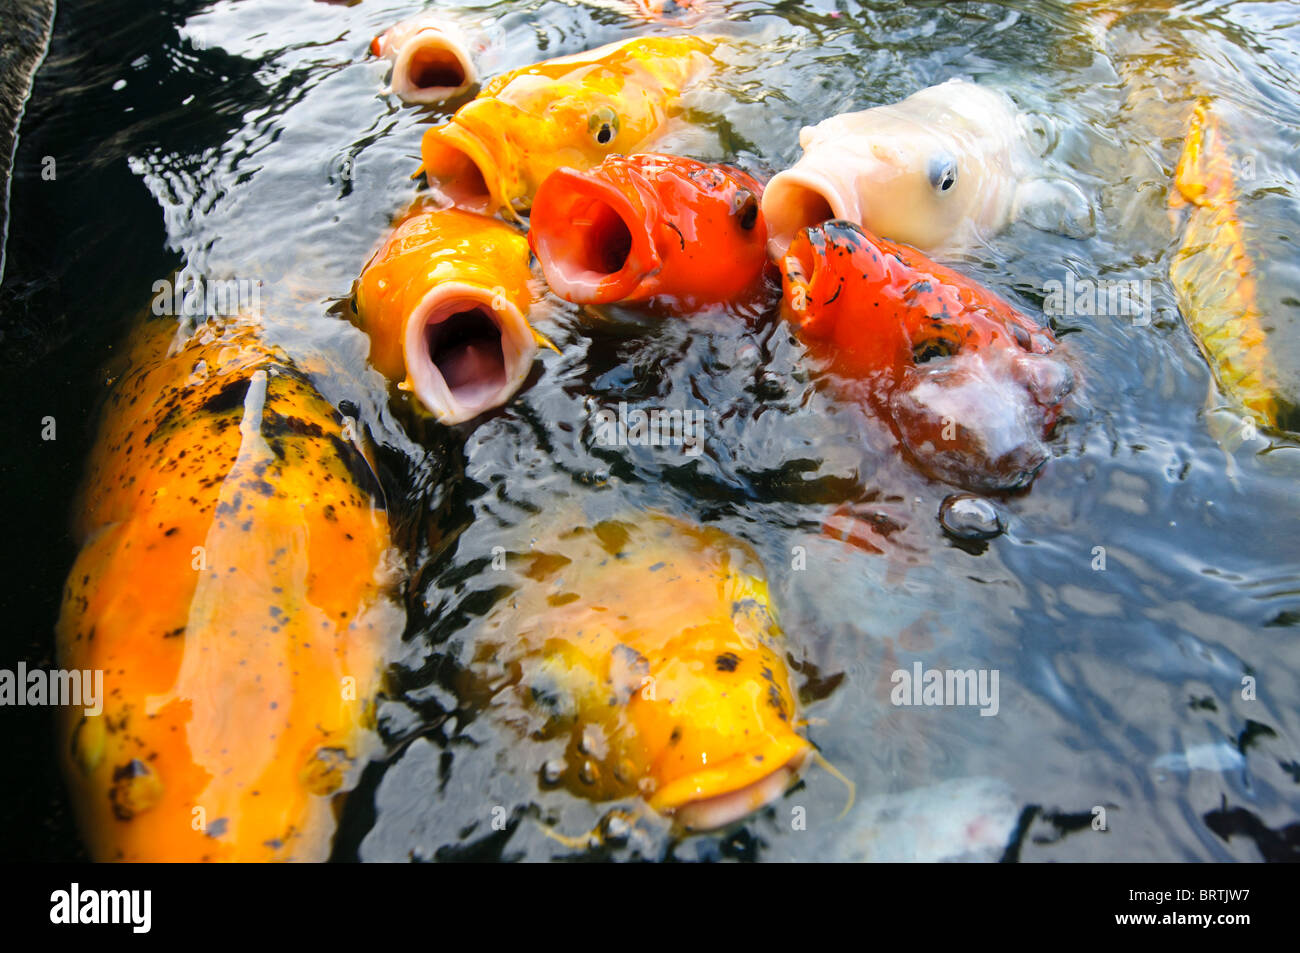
<point x="249" y="140"/>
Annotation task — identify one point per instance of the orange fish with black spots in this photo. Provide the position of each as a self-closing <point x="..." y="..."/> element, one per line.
<point x="233" y="585"/>
<point x="681" y="233"/>
<point x="969" y="385"/>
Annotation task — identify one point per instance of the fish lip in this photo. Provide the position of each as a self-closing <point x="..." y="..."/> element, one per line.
<point x="730" y="790"/>
<point x="423" y="41"/>
<point x="518" y="348"/>
<point x="448" y="147"/>
<point x="783" y="217"/>
<point x="552" y="222"/>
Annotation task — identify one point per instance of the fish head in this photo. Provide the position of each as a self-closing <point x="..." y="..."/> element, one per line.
<point x="650" y="226"/>
<point x="651" y="646"/>
<point x="721" y="729"/>
<point x="921" y="171"/>
<point x="969" y="384"/>
<point x="431" y="64"/>
<point x="496" y="150"/>
<point x="444" y="303"/>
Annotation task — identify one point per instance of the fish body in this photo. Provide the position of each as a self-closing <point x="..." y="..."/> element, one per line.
<point x="432" y="58"/>
<point x="965" y="379"/>
<point x="1212" y="272"/>
<point x="934" y="170"/>
<point x="651" y="646"/>
<point x="651" y="227"/>
<point x="445" y="302"/>
<point x="573" y="111"/>
<point x="232" y="586"/>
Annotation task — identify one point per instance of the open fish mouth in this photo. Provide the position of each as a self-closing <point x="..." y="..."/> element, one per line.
<point x="593" y="245"/>
<point x="459" y="163"/>
<point x="797" y="199"/>
<point x="432" y="67"/>
<point x="467" y="351"/>
<point x="721" y="794"/>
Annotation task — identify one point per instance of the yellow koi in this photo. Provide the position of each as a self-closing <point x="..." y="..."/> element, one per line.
<point x="1212" y="272"/>
<point x="572" y="111"/>
<point x="652" y="646"/>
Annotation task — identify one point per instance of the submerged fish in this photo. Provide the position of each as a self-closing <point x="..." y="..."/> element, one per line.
<point x="1213" y="274"/>
<point x="946" y="164"/>
<point x="964" y="378"/>
<point x="644" y="227"/>
<point x="671" y="11"/>
<point x="233" y="587"/>
<point x="432" y="58"/>
<point x="651" y="647"/>
<point x="572" y="111"/>
<point x="445" y="302"/>
<point x="962" y="820"/>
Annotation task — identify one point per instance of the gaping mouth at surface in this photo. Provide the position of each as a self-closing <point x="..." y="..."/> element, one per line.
<point x="721" y="794"/>
<point x="466" y="351"/>
<point x="458" y="163"/>
<point x="797" y="199"/>
<point x="432" y="67"/>
<point x="593" y="246"/>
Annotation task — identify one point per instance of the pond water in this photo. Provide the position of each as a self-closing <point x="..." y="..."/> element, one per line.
<point x="1151" y="568"/>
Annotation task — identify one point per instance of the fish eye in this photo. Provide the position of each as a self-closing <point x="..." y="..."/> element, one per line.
<point x="929" y="350"/>
<point x="603" y="125"/>
<point x="943" y="172"/>
<point x="745" y="207"/>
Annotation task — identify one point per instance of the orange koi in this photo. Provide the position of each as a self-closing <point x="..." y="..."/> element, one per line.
<point x="233" y="587"/>
<point x="445" y="302"/>
<point x="646" y="227"/>
<point x="963" y="377"/>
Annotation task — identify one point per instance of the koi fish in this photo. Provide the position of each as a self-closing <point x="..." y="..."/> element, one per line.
<point x="646" y="227"/>
<point x="937" y="169"/>
<point x="962" y="376"/>
<point x="573" y="111"/>
<point x="684" y="699"/>
<point x="431" y="58"/>
<point x="233" y="586"/>
<point x="445" y="302"/>
<point x="1213" y="275"/>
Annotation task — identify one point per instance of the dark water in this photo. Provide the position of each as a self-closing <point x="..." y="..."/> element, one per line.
<point x="247" y="140"/>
